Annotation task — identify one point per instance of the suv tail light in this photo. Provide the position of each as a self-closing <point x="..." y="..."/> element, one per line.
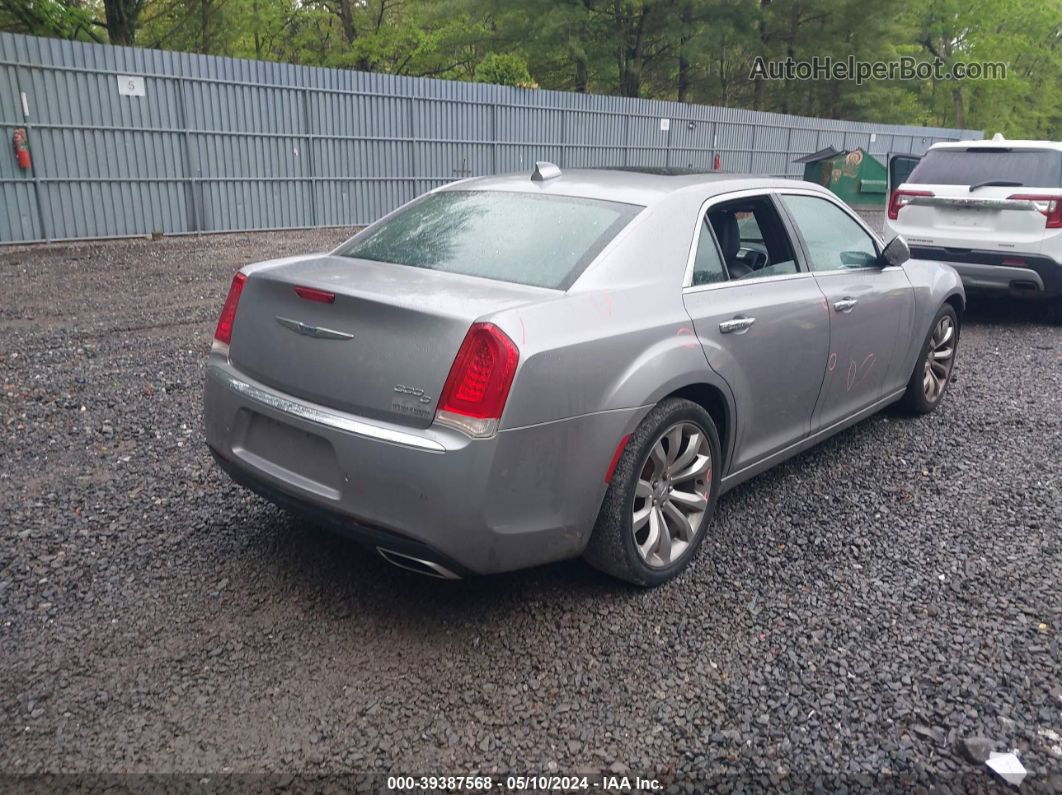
<point x="1050" y="206"/>
<point x="223" y="333"/>
<point x="901" y="198"/>
<point x="478" y="385"/>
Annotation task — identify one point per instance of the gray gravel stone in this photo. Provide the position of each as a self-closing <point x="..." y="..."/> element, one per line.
<point x="977" y="749"/>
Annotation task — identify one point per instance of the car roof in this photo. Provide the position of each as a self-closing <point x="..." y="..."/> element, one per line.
<point x="631" y="186"/>
<point x="999" y="144"/>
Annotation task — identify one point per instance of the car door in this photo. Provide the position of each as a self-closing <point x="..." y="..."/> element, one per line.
<point x="871" y="307"/>
<point x="761" y="321"/>
<point x="899" y="168"/>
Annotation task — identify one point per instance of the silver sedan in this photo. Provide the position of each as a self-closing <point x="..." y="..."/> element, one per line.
<point x="519" y="369"/>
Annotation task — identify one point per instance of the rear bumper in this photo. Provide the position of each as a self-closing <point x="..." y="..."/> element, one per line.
<point x="524" y="497"/>
<point x="372" y="537"/>
<point x="985" y="270"/>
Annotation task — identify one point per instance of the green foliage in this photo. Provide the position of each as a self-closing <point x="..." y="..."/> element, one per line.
<point x="55" y="18"/>
<point x="689" y="50"/>
<point x="504" y="69"/>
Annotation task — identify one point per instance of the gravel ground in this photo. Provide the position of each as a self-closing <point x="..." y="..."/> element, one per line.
<point x="852" y="616"/>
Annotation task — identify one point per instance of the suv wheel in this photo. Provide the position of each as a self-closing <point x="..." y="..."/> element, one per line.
<point x="662" y="496"/>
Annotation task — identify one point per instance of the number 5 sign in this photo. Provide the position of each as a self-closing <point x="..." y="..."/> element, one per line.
<point x="131" y="86"/>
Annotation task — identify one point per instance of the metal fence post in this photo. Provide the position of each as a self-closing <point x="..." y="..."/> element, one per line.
<point x="626" y="139"/>
<point x="563" y="140"/>
<point x="187" y="169"/>
<point x="667" y="144"/>
<point x="712" y="137"/>
<point x="310" y="146"/>
<point x="413" y="166"/>
<point x="494" y="136"/>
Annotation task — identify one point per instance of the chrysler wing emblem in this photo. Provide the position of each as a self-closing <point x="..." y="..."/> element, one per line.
<point x="317" y="332"/>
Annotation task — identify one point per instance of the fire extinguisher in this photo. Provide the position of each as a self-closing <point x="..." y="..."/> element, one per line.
<point x="22" y="153"/>
<point x="717" y="163"/>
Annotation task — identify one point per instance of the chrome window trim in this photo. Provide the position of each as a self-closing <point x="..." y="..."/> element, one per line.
<point x="320" y="416"/>
<point x="781" y="277"/>
<point x="687" y="279"/>
<point x="860" y="269"/>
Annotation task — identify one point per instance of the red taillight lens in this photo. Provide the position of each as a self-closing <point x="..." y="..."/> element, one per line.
<point x="223" y="333"/>
<point x="312" y="294"/>
<point x="1050" y="206"/>
<point x="478" y="385"/>
<point x="901" y="198"/>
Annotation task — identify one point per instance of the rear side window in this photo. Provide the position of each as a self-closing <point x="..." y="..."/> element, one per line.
<point x="544" y="241"/>
<point x="707" y="264"/>
<point x="753" y="239"/>
<point x="1036" y="168"/>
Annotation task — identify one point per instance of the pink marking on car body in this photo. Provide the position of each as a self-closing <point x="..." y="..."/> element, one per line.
<point x="686" y="331"/>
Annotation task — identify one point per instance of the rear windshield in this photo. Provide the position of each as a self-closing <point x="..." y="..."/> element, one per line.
<point x="545" y="241"/>
<point x="1036" y="168"/>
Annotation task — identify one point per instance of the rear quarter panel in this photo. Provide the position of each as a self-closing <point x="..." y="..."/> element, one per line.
<point x="933" y="284"/>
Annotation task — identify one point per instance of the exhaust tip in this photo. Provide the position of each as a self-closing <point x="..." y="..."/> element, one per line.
<point x="428" y="568"/>
<point x="1025" y="287"/>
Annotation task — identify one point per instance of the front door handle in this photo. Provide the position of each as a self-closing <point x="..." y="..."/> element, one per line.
<point x="845" y="304"/>
<point x="738" y="324"/>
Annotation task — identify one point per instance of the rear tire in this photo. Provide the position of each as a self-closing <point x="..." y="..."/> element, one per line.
<point x="932" y="372"/>
<point x="657" y="489"/>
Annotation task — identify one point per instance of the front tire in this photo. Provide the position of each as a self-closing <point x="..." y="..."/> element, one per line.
<point x="932" y="373"/>
<point x="661" y="498"/>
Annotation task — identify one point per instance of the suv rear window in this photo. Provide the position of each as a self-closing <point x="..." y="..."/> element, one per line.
<point x="1035" y="168"/>
<point x="544" y="241"/>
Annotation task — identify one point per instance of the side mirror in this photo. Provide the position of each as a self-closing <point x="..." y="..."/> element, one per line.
<point x="897" y="252"/>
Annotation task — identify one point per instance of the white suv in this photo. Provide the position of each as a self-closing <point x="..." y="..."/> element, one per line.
<point x="990" y="209"/>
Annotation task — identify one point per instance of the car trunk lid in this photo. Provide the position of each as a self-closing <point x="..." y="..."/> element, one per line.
<point x="382" y="347"/>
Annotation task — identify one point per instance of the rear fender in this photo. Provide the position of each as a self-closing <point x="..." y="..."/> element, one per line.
<point x="681" y="357"/>
<point x="933" y="283"/>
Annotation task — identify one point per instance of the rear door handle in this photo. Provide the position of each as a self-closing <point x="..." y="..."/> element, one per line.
<point x="738" y="324"/>
<point x="845" y="304"/>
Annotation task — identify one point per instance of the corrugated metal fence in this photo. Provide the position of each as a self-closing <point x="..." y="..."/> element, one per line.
<point x="128" y="141"/>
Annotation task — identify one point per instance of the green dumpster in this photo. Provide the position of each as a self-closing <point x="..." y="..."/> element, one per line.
<point x="855" y="176"/>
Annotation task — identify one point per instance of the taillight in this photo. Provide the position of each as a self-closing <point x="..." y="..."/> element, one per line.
<point x="1049" y="206"/>
<point x="478" y="384"/>
<point x="223" y="333"/>
<point x="901" y="198"/>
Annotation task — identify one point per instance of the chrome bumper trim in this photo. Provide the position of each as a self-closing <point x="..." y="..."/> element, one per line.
<point x="307" y="411"/>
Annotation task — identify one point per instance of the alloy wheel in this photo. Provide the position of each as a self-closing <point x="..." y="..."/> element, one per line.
<point x="672" y="493"/>
<point x="940" y="358"/>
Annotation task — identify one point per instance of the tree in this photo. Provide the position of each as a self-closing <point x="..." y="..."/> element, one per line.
<point x="504" y="69"/>
<point x="122" y="16"/>
<point x="64" y="20"/>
